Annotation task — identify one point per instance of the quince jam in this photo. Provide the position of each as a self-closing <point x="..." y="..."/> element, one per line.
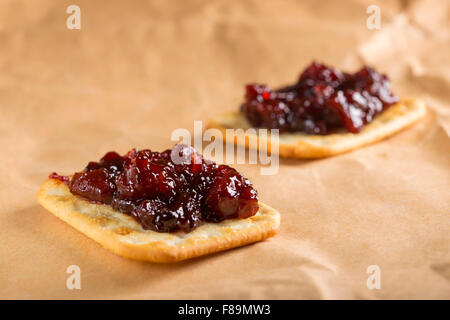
<point x="176" y="190"/>
<point x="323" y="101"/>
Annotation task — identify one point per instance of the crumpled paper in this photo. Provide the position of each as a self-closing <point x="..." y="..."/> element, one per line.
<point x="134" y="72"/>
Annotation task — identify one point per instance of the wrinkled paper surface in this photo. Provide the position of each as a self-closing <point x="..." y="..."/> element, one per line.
<point x="137" y="70"/>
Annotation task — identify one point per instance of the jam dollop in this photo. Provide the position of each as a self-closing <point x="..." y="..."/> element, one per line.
<point x="322" y="101"/>
<point x="175" y="190"/>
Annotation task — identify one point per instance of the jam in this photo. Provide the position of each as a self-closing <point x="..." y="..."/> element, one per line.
<point x="175" y="190"/>
<point x="323" y="101"/>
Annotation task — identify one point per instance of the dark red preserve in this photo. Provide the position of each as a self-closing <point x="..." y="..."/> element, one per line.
<point x="323" y="101"/>
<point x="176" y="190"/>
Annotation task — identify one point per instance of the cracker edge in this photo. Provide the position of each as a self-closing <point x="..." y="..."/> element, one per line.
<point x="396" y="118"/>
<point x="157" y="251"/>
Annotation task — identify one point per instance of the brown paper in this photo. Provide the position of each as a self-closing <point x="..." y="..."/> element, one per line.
<point x="136" y="71"/>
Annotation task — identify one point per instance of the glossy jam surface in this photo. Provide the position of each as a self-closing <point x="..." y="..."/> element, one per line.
<point x="323" y="101"/>
<point x="176" y="190"/>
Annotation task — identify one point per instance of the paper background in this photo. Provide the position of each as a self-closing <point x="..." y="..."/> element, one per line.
<point x="137" y="70"/>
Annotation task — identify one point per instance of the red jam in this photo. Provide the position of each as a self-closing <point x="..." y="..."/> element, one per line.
<point x="176" y="190"/>
<point x="323" y="101"/>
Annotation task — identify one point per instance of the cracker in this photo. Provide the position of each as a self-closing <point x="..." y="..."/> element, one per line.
<point x="300" y="145"/>
<point x="124" y="236"/>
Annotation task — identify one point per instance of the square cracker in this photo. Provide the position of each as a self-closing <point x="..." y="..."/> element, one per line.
<point x="124" y="236"/>
<point x="301" y="145"/>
